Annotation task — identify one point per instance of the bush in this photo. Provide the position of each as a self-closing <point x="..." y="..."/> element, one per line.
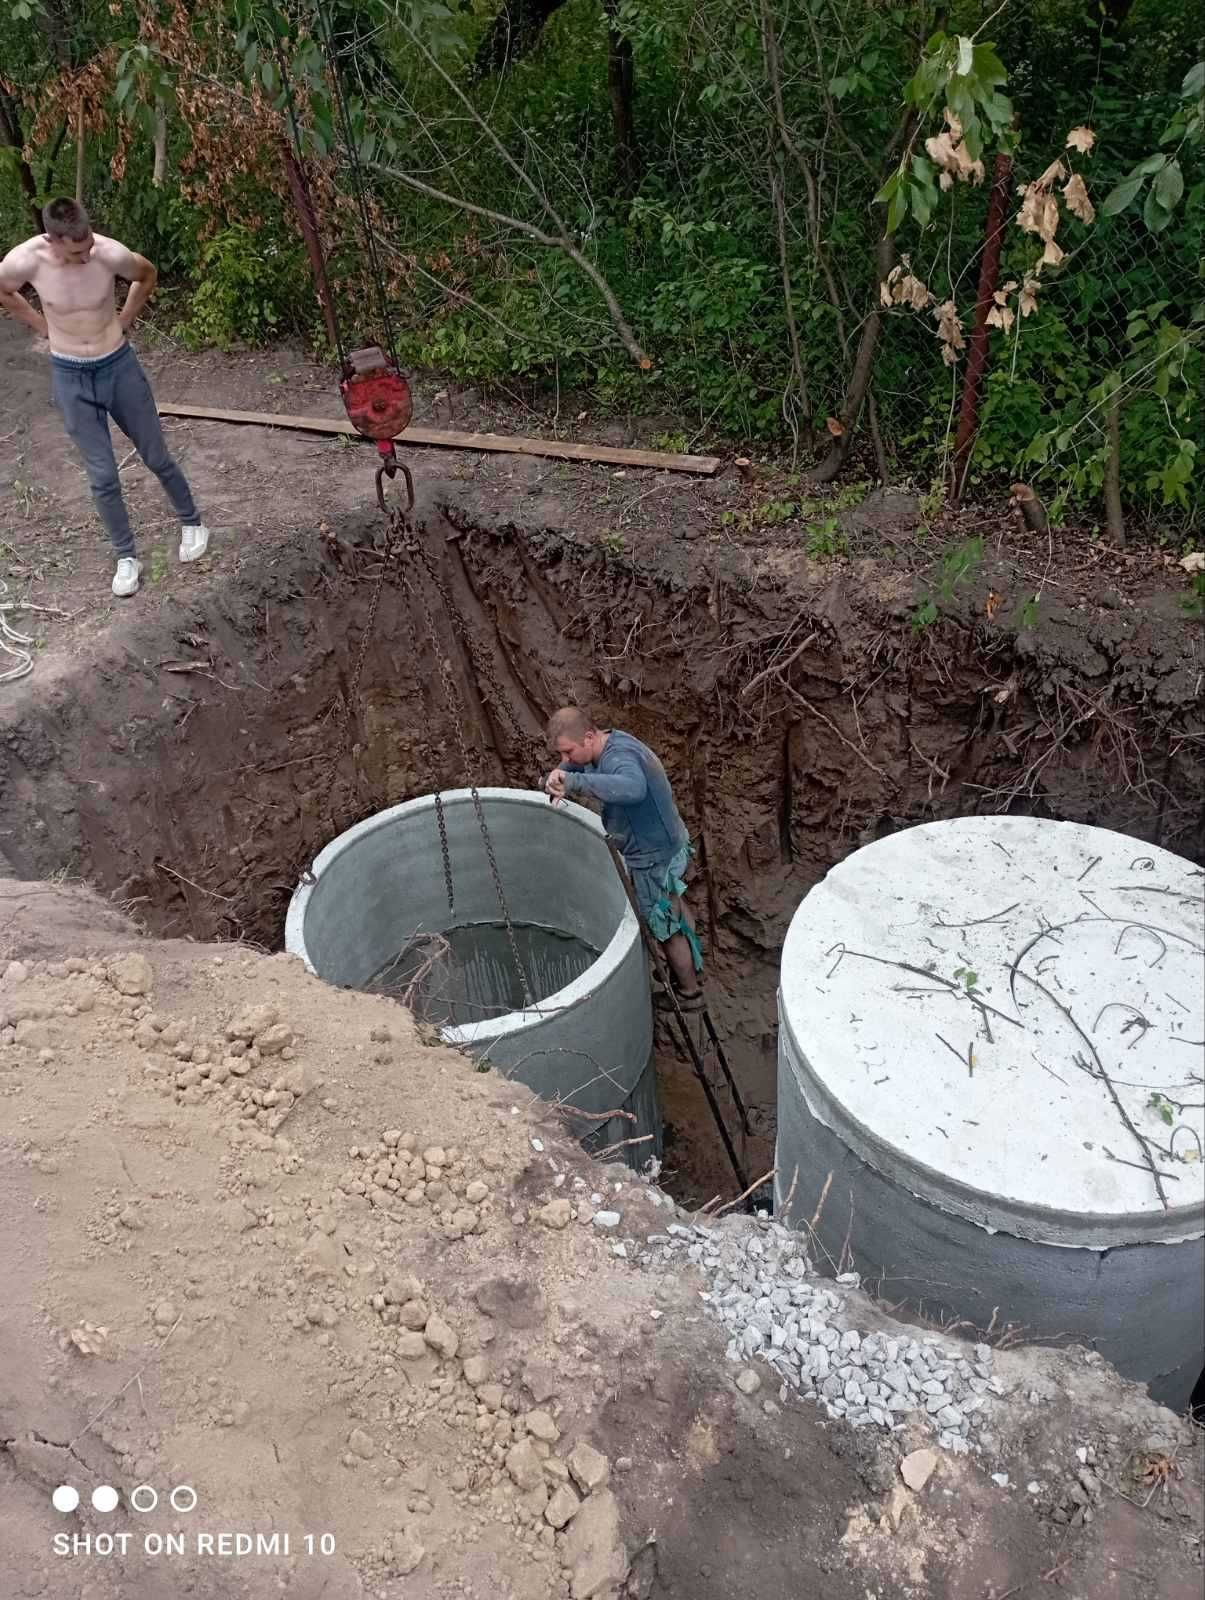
<point x="250" y="291"/>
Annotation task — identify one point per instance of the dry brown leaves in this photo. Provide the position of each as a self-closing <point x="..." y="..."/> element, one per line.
<point x="901" y="288"/>
<point x="948" y="153"/>
<point x="949" y="331"/>
<point x="1040" y="212"/>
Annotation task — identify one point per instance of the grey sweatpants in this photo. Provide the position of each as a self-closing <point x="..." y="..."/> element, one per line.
<point x="117" y="387"/>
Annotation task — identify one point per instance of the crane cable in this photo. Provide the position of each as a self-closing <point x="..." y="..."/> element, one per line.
<point x="400" y="531"/>
<point x="357" y="176"/>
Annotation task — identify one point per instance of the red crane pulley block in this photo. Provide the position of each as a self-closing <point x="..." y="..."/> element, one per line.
<point x="376" y="398"/>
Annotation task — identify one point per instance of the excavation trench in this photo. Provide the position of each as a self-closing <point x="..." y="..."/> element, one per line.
<point x="195" y="776"/>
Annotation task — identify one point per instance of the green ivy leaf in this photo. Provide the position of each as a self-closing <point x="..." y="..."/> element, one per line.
<point x="966" y="56"/>
<point x="989" y="69"/>
<point x="1194" y="82"/>
<point x="1154" y="213"/>
<point x="1169" y="185"/>
<point x="922" y="200"/>
<point x="1120" y="197"/>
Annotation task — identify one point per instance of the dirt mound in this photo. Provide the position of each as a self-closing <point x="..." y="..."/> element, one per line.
<point x="264" y="1243"/>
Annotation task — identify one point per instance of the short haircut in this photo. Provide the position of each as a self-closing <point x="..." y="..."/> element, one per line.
<point x="66" y="219"/>
<point x="570" y="722"/>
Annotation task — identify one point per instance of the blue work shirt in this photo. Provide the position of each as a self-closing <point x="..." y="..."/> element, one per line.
<point x="638" y="808"/>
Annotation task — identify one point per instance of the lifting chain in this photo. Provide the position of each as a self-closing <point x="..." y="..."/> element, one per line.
<point x="442" y="824"/>
<point x="353" y="688"/>
<point x="404" y="537"/>
<point x="530" y="751"/>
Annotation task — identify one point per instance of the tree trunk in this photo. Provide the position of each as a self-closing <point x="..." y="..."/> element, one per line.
<point x="859" y="382"/>
<point x="80" y="151"/>
<point x="159" y="172"/>
<point x="11" y="135"/>
<point x="513" y="33"/>
<point x="1113" y="512"/>
<point x="313" y="243"/>
<point x="621" y="85"/>
<point x="977" y="352"/>
<point x="788" y="300"/>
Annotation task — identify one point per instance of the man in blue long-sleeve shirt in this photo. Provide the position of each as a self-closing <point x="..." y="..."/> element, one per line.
<point x="639" y="813"/>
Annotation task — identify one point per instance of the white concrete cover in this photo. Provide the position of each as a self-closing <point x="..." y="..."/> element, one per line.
<point x="987" y="909"/>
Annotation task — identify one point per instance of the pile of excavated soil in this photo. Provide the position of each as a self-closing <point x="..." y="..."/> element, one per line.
<point x="263" y="1242"/>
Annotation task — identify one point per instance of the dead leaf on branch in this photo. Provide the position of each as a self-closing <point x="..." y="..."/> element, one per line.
<point x="1053" y="254"/>
<point x="901" y="288"/>
<point x="1039" y="212"/>
<point x="1001" y="316"/>
<point x="949" y="331"/>
<point x="1027" y="300"/>
<point x="1194" y="561"/>
<point x="1075" y="198"/>
<point x="1053" y="173"/>
<point x="1081" y="139"/>
<point x="947" y="151"/>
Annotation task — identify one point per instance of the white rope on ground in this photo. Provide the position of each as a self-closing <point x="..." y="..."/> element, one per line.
<point x="11" y="642"/>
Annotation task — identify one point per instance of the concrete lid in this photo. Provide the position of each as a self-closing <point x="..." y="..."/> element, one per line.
<point x="1052" y="952"/>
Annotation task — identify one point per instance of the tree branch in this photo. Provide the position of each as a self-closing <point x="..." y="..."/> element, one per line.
<point x="628" y="338"/>
<point x="788" y="298"/>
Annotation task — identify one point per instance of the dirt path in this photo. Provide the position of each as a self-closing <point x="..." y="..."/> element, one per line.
<point x="265" y="1243"/>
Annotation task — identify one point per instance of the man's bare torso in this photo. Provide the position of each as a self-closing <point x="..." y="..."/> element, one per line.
<point x="78" y="301"/>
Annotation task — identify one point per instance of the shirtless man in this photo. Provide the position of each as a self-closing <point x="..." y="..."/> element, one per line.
<point x="95" y="373"/>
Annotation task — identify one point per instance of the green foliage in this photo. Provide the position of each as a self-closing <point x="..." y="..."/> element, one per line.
<point x="964" y="77"/>
<point x="1193" y="603"/>
<point x="692" y="247"/>
<point x="958" y="566"/>
<point x="1166" y="188"/>
<point x="825" y="540"/>
<point x="1160" y="1105"/>
<point x="243" y="295"/>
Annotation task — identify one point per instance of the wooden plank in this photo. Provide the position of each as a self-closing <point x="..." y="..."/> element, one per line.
<point x="451" y="439"/>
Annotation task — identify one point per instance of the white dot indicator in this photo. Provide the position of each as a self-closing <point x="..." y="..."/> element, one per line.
<point x="144" y="1498"/>
<point x="105" y="1497"/>
<point x="65" y="1498"/>
<point x="183" y="1489"/>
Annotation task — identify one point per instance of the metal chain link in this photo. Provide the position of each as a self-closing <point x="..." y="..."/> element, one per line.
<point x="402" y="537"/>
<point x="452" y="695"/>
<point x="441" y="822"/>
<point x="392" y="544"/>
<point x="482" y="665"/>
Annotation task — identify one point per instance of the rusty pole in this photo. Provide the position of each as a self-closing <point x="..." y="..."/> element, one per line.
<point x="977" y="351"/>
<point x="313" y="244"/>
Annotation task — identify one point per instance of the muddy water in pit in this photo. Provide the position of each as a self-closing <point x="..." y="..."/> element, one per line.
<point x="468" y="973"/>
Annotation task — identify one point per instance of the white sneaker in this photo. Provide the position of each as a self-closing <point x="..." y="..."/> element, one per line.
<point x="127" y="577"/>
<point x="194" y="541"/>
